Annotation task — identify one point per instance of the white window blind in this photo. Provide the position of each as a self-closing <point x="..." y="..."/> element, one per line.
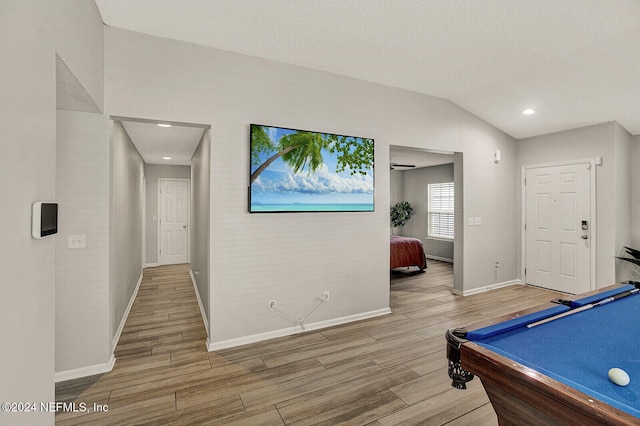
<point x="440" y="210"/>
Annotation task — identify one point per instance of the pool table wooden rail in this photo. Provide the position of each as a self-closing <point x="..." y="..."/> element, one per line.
<point x="523" y="396"/>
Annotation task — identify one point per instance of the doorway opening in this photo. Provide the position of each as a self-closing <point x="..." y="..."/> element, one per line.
<point x="431" y="181"/>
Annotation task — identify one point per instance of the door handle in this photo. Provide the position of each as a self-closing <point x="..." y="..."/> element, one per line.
<point x="184" y="226"/>
<point x="585" y="237"/>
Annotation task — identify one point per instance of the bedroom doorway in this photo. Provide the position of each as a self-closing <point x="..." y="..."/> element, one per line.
<point x="438" y="226"/>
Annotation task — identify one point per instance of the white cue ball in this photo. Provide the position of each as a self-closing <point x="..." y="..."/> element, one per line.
<point x="619" y="377"/>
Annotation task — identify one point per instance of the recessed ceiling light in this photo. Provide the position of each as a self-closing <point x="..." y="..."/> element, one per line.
<point x="166" y="158"/>
<point x="528" y="111"/>
<point x="164" y="125"/>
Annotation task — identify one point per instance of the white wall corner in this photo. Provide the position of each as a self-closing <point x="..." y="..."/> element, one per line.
<point x="214" y="346"/>
<point x="114" y="343"/>
<point x="486" y="288"/>
<point x="202" y="311"/>
<point x="441" y="259"/>
<point x="91" y="370"/>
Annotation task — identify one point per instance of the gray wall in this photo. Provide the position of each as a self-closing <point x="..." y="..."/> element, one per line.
<point x="623" y="189"/>
<point x="396" y="179"/>
<point x="230" y="91"/>
<point x="612" y="187"/>
<point x="415" y="192"/>
<point x="125" y="260"/>
<point x="82" y="275"/>
<point x="635" y="194"/>
<point x="153" y="172"/>
<point x="200" y="219"/>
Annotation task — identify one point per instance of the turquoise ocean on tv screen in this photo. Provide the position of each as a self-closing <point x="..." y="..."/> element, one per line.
<point x="297" y="207"/>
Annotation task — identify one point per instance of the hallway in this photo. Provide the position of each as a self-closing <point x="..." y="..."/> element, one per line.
<point x="381" y="371"/>
<point x="163" y="339"/>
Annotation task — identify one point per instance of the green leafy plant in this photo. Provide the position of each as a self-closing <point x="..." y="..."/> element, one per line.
<point x="633" y="252"/>
<point x="401" y="212"/>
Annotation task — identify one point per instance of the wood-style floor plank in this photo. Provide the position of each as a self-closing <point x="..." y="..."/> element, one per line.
<point x="387" y="370"/>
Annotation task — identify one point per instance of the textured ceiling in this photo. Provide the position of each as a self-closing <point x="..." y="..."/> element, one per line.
<point x="70" y="94"/>
<point x="575" y="61"/>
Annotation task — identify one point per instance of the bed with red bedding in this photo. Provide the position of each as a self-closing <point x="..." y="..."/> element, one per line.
<point x="407" y="251"/>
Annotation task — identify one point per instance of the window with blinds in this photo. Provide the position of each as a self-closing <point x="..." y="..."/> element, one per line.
<point x="440" y="210"/>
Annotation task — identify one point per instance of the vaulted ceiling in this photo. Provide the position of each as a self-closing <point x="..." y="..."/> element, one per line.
<point x="576" y="62"/>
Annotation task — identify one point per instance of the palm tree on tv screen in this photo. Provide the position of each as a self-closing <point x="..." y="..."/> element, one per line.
<point x="300" y="150"/>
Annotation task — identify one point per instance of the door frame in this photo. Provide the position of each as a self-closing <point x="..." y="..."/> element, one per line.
<point x="159" y="245"/>
<point x="591" y="162"/>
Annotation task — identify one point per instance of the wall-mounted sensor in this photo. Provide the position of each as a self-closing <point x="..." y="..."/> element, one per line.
<point x="44" y="219"/>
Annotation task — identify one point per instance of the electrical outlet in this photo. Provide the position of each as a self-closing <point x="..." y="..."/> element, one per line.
<point x="496" y="265"/>
<point x="327" y="295"/>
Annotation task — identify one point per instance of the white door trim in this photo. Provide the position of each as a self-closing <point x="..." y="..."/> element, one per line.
<point x="593" y="226"/>
<point x="159" y="245"/>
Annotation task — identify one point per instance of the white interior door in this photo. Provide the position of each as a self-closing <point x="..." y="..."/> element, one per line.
<point x="558" y="208"/>
<point x="174" y="221"/>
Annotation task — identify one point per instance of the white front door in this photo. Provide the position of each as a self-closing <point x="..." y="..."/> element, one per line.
<point x="557" y="211"/>
<point x="174" y="221"/>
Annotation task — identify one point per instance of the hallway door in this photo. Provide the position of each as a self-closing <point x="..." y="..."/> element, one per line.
<point x="173" y="221"/>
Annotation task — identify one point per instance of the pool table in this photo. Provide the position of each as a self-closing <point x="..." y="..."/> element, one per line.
<point x="556" y="372"/>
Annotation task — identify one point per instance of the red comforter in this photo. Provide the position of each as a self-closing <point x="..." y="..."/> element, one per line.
<point x="407" y="251"/>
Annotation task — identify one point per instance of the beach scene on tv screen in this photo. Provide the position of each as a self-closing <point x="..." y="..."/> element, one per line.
<point x="300" y="171"/>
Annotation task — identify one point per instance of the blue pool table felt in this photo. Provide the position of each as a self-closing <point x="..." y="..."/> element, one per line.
<point x="578" y="350"/>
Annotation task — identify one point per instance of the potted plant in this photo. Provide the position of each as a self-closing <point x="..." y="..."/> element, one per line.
<point x="401" y="212"/>
<point x="635" y="259"/>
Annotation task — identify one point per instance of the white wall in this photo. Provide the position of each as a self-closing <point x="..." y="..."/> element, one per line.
<point x="79" y="28"/>
<point x="125" y="221"/>
<point x="293" y="258"/>
<point x="584" y="143"/>
<point x="28" y="172"/>
<point x="153" y="172"/>
<point x="30" y="36"/>
<point x="82" y="275"/>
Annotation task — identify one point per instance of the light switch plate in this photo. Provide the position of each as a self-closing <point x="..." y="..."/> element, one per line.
<point x="77" y="241"/>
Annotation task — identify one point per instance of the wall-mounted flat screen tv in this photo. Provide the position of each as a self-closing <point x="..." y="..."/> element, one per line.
<point x="304" y="171"/>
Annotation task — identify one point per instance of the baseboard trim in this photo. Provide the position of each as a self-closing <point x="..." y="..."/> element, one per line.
<point x="77" y="373"/>
<point x="150" y="265"/>
<point x="114" y="342"/>
<point x="485" y="288"/>
<point x="214" y="346"/>
<point x="202" y="311"/>
<point x="442" y="259"/>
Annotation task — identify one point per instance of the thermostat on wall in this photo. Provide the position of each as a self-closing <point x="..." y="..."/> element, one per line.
<point x="44" y="220"/>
